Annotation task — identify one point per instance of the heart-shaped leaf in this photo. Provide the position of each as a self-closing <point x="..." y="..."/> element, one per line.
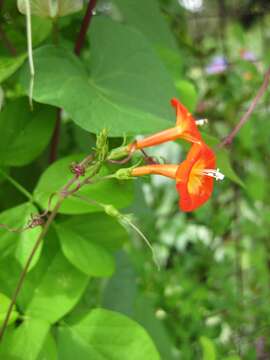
<point x="127" y="91"/>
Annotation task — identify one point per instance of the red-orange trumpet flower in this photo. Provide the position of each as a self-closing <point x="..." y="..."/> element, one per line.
<point x="194" y="176"/>
<point x="185" y="128"/>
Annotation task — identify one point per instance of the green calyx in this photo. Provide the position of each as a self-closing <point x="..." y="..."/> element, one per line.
<point x="123" y="174"/>
<point x="118" y="153"/>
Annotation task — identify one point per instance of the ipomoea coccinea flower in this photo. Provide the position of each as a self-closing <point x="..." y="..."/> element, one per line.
<point x="194" y="176"/>
<point x="185" y="128"/>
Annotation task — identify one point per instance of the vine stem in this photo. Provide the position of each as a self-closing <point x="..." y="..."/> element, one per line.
<point x="55" y="137"/>
<point x="77" y="50"/>
<point x="7" y="43"/>
<point x="84" y="27"/>
<point x="229" y="138"/>
<point x="63" y="193"/>
<point x="27" y="265"/>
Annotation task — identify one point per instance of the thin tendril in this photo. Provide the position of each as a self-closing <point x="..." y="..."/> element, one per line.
<point x="30" y="50"/>
<point x="134" y="227"/>
<point x="124" y="220"/>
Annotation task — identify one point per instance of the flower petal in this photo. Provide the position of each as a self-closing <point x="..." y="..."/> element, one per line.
<point x="186" y="122"/>
<point x="193" y="187"/>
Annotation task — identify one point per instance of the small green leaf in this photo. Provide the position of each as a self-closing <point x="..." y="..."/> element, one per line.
<point x="26" y="341"/>
<point x="128" y="89"/>
<point x="187" y="94"/>
<point x="24" y="133"/>
<point x="53" y="287"/>
<point x="103" y="335"/>
<point x="100" y="227"/>
<point x="208" y="348"/>
<point x="8" y="65"/>
<point x="4" y="304"/>
<point x="85" y="253"/>
<point x="118" y="193"/>
<point x="19" y="244"/>
<point x="223" y="162"/>
<point x="41" y="29"/>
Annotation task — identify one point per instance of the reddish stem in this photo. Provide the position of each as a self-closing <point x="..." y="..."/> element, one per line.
<point x="84" y="26"/>
<point x="7" y="43"/>
<point x="229" y="139"/>
<point x="55" y="138"/>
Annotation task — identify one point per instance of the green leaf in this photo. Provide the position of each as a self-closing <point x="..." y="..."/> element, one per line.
<point x="187" y="94"/>
<point x="102" y="228"/>
<point x="49" y="350"/>
<point x="19" y="244"/>
<point x="89" y="240"/>
<point x="8" y="65"/>
<point x="4" y="304"/>
<point x="128" y="90"/>
<point x="208" y="348"/>
<point x="24" y="134"/>
<point x="172" y="59"/>
<point x="223" y="162"/>
<point x="121" y="290"/>
<point x="149" y="20"/>
<point x="26" y="341"/>
<point x="114" y="192"/>
<point x="145" y="315"/>
<point x="85" y="253"/>
<point x="53" y="287"/>
<point x="121" y="294"/>
<point x="103" y="335"/>
<point x="41" y="29"/>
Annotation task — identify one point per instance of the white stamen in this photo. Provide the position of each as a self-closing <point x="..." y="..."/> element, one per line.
<point x="201" y="122"/>
<point x="213" y="173"/>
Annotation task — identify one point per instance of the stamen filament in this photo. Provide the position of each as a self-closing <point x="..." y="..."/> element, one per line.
<point x="215" y="173"/>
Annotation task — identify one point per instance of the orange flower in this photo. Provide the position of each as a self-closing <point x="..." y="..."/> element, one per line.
<point x="185" y="128"/>
<point x="194" y="176"/>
